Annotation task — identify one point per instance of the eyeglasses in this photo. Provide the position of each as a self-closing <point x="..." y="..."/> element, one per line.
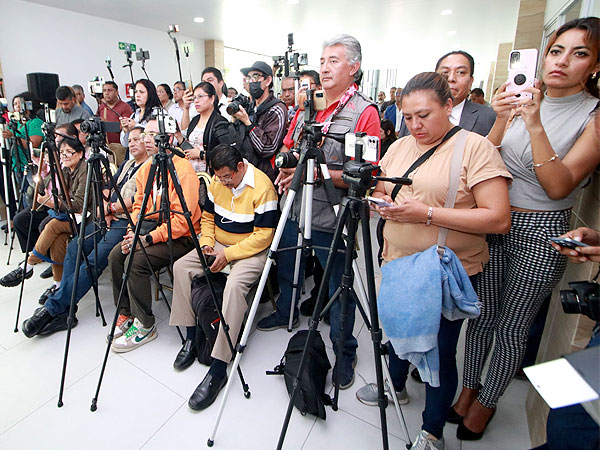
<point x="200" y="96"/>
<point x="148" y="133"/>
<point x="66" y="154"/>
<point x="227" y="178"/>
<point x="254" y="77"/>
<point x="177" y="89"/>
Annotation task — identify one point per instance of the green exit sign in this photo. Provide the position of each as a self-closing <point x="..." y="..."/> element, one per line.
<point x="127" y="46"/>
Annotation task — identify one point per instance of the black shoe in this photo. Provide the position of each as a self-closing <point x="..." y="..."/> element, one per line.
<point x="186" y="355"/>
<point x="12" y="279"/>
<point x="464" y="434"/>
<point x="308" y="306"/>
<point x="416" y="375"/>
<point x="453" y="416"/>
<point x="206" y="392"/>
<point x="32" y="326"/>
<point x="47" y="293"/>
<point x="46" y="273"/>
<point x="58" y="323"/>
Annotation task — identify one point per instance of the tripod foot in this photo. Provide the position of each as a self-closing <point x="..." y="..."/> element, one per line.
<point x="16" y="330"/>
<point x="60" y="404"/>
<point x="94" y="406"/>
<point x="210" y="443"/>
<point x="247" y="394"/>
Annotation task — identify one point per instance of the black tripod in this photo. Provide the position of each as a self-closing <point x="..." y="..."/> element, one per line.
<point x="162" y="170"/>
<point x="49" y="149"/>
<point x="357" y="175"/>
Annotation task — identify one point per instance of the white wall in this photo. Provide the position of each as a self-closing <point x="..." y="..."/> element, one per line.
<point x="38" y="38"/>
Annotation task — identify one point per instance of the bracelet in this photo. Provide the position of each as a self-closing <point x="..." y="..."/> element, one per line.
<point x="429" y="216"/>
<point x="547" y="161"/>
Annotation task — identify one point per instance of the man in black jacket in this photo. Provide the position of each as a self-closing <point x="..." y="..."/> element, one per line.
<point x="262" y="130"/>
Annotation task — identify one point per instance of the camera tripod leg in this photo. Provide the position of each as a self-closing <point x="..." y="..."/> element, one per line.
<point x="256" y="301"/>
<point x="16" y="330"/>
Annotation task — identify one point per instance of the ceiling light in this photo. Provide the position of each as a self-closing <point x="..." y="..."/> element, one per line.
<point x="446" y="12"/>
<point x="198" y="19"/>
<point x="451" y="32"/>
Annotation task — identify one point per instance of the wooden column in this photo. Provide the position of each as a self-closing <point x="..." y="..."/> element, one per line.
<point x="214" y="55"/>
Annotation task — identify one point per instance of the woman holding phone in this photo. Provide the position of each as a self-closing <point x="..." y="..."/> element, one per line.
<point x="146" y="100"/>
<point x="550" y="149"/>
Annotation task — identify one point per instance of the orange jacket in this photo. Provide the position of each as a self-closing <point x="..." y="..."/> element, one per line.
<point x="189" y="185"/>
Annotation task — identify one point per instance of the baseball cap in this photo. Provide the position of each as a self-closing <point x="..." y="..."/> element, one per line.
<point x="261" y="66"/>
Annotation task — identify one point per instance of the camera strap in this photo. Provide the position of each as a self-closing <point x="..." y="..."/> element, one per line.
<point x="424" y="157"/>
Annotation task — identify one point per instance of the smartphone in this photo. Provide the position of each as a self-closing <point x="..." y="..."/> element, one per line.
<point x="568" y="242"/>
<point x="521" y="72"/>
<point x="185" y="145"/>
<point x="378" y="201"/>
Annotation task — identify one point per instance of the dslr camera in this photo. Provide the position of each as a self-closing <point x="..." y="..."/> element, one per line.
<point x="239" y="100"/>
<point x="583" y="298"/>
<point x="94" y="125"/>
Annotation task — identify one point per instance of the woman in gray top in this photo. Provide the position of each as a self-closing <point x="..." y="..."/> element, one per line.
<point x="550" y="150"/>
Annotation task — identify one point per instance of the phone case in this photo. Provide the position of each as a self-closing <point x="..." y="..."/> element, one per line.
<point x="521" y="72"/>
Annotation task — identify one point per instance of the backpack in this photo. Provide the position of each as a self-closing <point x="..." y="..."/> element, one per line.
<point x="207" y="317"/>
<point x="311" y="397"/>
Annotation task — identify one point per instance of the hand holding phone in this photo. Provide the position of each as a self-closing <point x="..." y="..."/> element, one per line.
<point x="568" y="242"/>
<point x="379" y="202"/>
<point x="521" y="72"/>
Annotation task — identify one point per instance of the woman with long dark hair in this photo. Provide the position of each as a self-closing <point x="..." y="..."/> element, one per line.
<point x="387" y="135"/>
<point x="146" y="100"/>
<point x="550" y="149"/>
<point x="201" y="130"/>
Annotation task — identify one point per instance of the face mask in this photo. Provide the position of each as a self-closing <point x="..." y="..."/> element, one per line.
<point x="256" y="91"/>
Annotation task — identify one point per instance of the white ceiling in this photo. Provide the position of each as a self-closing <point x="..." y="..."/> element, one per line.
<point x="408" y="35"/>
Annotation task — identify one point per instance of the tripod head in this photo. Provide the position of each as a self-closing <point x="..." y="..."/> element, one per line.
<point x="96" y="131"/>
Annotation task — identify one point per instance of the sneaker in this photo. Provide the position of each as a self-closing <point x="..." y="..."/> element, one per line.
<point x="13" y="278"/>
<point x="274" y="321"/>
<point x="368" y="395"/>
<point x="347" y="376"/>
<point x="136" y="336"/>
<point x="425" y="441"/>
<point x="124" y="323"/>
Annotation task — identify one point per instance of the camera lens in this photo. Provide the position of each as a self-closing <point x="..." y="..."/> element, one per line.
<point x="520" y="79"/>
<point x="286" y="160"/>
<point x="232" y="108"/>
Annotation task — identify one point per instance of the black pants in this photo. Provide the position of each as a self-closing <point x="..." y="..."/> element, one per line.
<point x="21" y="223"/>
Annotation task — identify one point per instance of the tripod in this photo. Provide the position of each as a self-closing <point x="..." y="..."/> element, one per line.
<point x="354" y="209"/>
<point x="161" y="171"/>
<point x="50" y="150"/>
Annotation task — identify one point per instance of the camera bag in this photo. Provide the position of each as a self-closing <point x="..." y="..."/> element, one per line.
<point x="207" y="317"/>
<point x="424" y="157"/>
<point x="311" y="397"/>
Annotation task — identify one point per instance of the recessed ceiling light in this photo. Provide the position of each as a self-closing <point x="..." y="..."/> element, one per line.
<point x="198" y="19"/>
<point x="446" y="12"/>
<point x="451" y="32"/>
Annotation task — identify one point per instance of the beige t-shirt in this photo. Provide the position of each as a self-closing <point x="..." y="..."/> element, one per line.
<point x="431" y="179"/>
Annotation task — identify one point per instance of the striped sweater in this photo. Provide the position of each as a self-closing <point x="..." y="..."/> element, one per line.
<point x="244" y="223"/>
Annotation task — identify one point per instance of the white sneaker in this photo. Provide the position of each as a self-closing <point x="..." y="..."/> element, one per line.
<point x="425" y="441"/>
<point x="134" y="337"/>
<point x="123" y="324"/>
<point x="368" y="395"/>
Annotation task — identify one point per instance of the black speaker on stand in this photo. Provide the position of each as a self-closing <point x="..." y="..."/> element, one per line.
<point x="43" y="86"/>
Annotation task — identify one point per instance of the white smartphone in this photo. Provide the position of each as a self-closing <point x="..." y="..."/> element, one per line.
<point x="521" y="72"/>
<point x="378" y="201"/>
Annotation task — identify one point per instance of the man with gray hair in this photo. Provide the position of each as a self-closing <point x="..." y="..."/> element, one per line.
<point x="347" y="110"/>
<point x="80" y="98"/>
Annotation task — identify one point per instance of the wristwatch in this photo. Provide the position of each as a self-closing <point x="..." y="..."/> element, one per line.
<point x="149" y="239"/>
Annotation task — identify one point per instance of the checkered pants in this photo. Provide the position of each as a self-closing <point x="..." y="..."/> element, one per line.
<point x="523" y="270"/>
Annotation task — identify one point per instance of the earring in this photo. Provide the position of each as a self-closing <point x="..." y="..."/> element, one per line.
<point x="594" y="75"/>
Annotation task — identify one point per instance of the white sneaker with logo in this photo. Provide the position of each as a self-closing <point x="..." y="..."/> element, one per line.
<point x="134" y="337"/>
<point x="426" y="441"/>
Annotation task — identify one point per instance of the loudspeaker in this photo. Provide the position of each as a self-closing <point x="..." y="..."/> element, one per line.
<point x="43" y="86"/>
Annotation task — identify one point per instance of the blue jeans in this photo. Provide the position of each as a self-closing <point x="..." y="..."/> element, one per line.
<point x="437" y="400"/>
<point x="285" y="275"/>
<point x="59" y="302"/>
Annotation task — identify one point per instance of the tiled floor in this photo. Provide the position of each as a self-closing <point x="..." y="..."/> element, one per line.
<point x="143" y="400"/>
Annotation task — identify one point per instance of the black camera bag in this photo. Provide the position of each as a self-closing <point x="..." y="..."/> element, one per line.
<point x="311" y="397"/>
<point x="207" y="317"/>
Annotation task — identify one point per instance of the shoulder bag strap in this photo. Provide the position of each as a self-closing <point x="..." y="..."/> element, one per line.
<point x="424" y="157"/>
<point x="455" y="166"/>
